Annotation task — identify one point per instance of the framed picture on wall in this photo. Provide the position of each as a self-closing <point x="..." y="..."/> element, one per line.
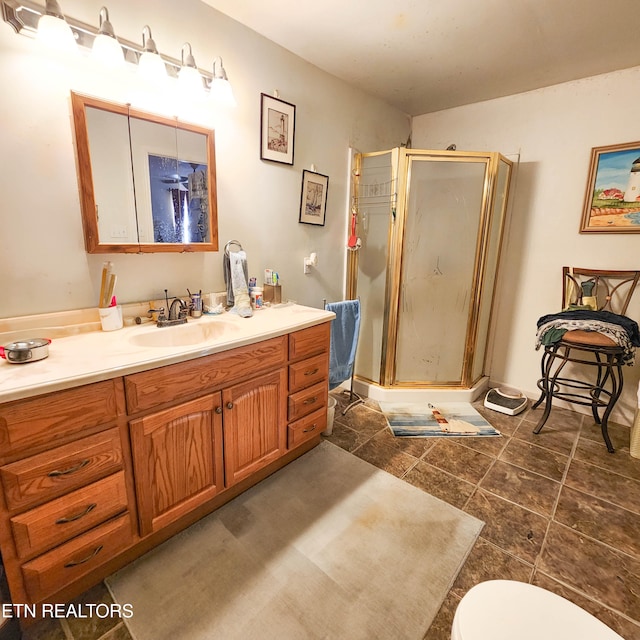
<point x="313" y="198"/>
<point x="612" y="199"/>
<point x="277" y="129"/>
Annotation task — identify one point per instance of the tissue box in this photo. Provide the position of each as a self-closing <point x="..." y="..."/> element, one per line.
<point x="272" y="293"/>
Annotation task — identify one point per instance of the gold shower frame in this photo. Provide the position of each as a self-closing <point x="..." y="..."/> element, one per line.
<point x="401" y="160"/>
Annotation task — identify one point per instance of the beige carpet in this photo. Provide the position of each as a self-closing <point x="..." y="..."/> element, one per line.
<point x="329" y="547"/>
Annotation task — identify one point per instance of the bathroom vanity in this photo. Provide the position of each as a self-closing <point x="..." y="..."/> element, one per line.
<point x="119" y="440"/>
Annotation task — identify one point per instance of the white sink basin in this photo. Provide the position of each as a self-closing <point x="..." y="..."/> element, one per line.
<point x="184" y="335"/>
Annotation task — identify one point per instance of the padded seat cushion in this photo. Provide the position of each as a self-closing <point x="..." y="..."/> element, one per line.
<point x="592" y="338"/>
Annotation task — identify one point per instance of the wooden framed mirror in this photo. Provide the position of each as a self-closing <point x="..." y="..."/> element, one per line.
<point x="147" y="183"/>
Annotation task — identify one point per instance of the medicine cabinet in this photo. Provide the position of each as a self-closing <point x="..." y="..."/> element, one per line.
<point x="147" y="183"/>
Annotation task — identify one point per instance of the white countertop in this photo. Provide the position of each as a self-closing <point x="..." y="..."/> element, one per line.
<point x="88" y="357"/>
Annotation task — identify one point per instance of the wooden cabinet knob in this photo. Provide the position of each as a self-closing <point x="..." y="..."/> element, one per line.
<point x="229" y="405"/>
<point x="218" y="409"/>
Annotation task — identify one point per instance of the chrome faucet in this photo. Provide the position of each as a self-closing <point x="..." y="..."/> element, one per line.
<point x="178" y="311"/>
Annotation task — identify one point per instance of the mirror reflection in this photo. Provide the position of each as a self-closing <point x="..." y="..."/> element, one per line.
<point x="147" y="183"/>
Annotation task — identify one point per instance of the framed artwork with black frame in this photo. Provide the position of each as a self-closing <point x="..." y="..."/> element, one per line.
<point x="277" y="129"/>
<point x="313" y="198"/>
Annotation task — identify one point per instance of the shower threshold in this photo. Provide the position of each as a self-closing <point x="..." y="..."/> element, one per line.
<point x="395" y="394"/>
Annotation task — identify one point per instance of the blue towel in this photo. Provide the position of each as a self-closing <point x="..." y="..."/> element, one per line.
<point x="344" y="340"/>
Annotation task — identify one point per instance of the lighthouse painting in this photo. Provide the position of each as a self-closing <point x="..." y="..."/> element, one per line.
<point x="612" y="200"/>
<point x="277" y="128"/>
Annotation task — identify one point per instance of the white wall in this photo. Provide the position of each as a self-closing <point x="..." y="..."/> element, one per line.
<point x="43" y="264"/>
<point x="554" y="130"/>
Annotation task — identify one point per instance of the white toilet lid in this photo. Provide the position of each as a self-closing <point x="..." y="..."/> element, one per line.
<point x="506" y="610"/>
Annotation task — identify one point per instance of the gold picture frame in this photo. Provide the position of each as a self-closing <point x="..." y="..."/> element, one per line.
<point x="612" y="198"/>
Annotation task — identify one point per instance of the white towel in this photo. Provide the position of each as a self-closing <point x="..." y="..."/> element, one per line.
<point x="242" y="302"/>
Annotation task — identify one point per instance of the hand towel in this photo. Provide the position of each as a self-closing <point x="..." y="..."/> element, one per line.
<point x="239" y="285"/>
<point x="345" y="328"/>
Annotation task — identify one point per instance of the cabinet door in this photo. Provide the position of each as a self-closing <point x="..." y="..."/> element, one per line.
<point x="177" y="458"/>
<point x="255" y="424"/>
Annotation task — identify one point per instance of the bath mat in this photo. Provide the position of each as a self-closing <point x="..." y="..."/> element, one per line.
<point x="417" y="420"/>
<point x="328" y="547"/>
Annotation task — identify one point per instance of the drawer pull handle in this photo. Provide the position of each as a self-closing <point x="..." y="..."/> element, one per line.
<point x="82" y="514"/>
<point x="310" y="400"/>
<point x="70" y="470"/>
<point x="75" y="563"/>
<point x="229" y="405"/>
<point x="218" y="409"/>
<point x="311" y="429"/>
<point x="312" y="372"/>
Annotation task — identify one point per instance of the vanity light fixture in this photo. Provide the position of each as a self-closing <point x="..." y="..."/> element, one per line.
<point x="54" y="31"/>
<point x="221" y="91"/>
<point x="150" y="65"/>
<point x="106" y="48"/>
<point x="189" y="78"/>
<point x="28" y="16"/>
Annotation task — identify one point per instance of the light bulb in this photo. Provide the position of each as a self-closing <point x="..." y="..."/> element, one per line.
<point x="190" y="81"/>
<point x="151" y="66"/>
<point x="189" y="78"/>
<point x="106" y="48"/>
<point x="221" y="91"/>
<point x="55" y="33"/>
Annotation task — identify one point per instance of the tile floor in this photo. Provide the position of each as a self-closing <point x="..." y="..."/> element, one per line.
<point x="560" y="511"/>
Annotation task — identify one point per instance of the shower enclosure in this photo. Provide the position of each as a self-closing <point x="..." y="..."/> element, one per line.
<point x="431" y="226"/>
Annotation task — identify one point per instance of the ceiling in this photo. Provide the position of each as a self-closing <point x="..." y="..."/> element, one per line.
<point x="426" y="55"/>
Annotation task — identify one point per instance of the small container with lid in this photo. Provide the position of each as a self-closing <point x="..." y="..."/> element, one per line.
<point x="257" y="301"/>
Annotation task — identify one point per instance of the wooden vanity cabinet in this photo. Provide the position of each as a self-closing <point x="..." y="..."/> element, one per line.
<point x="255" y="425"/>
<point x="94" y="476"/>
<point x="64" y="464"/>
<point x="177" y="458"/>
<point x="308" y="384"/>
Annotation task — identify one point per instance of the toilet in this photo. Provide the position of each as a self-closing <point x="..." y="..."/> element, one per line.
<point x="509" y="610"/>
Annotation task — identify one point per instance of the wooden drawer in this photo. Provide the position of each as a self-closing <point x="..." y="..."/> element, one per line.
<point x="307" y="372"/>
<point x="306" y="428"/>
<point x="52" y="473"/>
<point x="57" y="521"/>
<point x="52" y="571"/>
<point x="308" y="400"/>
<point x="25" y="424"/>
<point x="309" y="342"/>
<point x="152" y="388"/>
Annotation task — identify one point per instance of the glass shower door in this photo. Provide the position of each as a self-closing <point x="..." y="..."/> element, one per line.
<point x="374" y="200"/>
<point x="441" y="240"/>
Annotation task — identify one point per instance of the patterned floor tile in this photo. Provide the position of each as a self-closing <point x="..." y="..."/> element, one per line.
<point x="618" y="623"/>
<point x="599" y="519"/>
<point x="596" y="453"/>
<point x="530" y="490"/>
<point x="440" y="484"/>
<point x="535" y="458"/>
<point x="510" y="527"/>
<point x="608" y="485"/>
<point x="458" y="460"/>
<point x="598" y="571"/>
<point x="386" y="457"/>
<point x="560" y="441"/>
<point x="488" y="562"/>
